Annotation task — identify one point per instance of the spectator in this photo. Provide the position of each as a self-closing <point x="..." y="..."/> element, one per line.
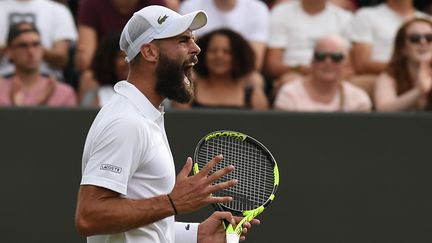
<point x="295" y="27"/>
<point x="109" y="66"/>
<point x="406" y="83"/>
<point x="27" y="86"/>
<point x="350" y="5"/>
<point x="224" y="73"/>
<point x="99" y="18"/>
<point x="56" y="26"/>
<point x="247" y="17"/>
<point x="373" y="31"/>
<point x="324" y="90"/>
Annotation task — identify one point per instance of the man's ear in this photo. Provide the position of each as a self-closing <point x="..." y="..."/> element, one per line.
<point x="150" y="52"/>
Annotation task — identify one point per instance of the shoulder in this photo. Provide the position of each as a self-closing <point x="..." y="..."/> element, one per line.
<point x="339" y="11"/>
<point x="292" y="88"/>
<point x="188" y="6"/>
<point x="370" y="11"/>
<point x="285" y="7"/>
<point x="255" y="5"/>
<point x="352" y="90"/>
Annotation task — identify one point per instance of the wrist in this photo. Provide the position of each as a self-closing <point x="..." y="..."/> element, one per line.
<point x="172" y="204"/>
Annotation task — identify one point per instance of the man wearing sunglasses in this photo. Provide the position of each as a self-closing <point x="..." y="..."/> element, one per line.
<point x="324" y="90"/>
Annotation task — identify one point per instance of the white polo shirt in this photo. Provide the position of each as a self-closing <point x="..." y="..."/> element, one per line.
<point x="127" y="151"/>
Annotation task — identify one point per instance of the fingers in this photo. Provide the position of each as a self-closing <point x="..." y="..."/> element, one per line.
<point x="219" y="215"/>
<point x="207" y="168"/>
<point x="186" y="168"/>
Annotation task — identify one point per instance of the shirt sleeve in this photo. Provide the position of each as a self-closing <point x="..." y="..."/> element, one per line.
<point x="186" y="232"/>
<point x="361" y="28"/>
<point x="87" y="13"/>
<point x="284" y="99"/>
<point x="277" y="36"/>
<point x="115" y="155"/>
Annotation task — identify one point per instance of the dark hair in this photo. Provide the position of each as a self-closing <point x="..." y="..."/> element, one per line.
<point x="104" y="61"/>
<point x="17" y="29"/>
<point x="398" y="64"/>
<point x="243" y="56"/>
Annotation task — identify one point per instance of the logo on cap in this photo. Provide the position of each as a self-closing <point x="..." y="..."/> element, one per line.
<point x="162" y="19"/>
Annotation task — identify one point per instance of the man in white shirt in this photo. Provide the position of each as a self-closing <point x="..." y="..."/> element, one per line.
<point x="295" y="26"/>
<point x="129" y="192"/>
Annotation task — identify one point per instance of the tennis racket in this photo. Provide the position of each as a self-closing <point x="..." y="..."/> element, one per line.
<point x="255" y="168"/>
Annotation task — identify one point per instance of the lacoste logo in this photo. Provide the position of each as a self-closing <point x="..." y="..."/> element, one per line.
<point x="162" y="19"/>
<point x="187" y="227"/>
<point x="111" y="168"/>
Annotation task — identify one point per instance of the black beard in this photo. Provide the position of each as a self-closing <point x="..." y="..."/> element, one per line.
<point x="170" y="80"/>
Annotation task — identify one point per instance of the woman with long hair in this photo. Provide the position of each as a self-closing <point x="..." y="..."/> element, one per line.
<point x="406" y="84"/>
<point x="226" y="77"/>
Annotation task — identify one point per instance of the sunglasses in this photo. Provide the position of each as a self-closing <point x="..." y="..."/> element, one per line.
<point x="416" y="38"/>
<point x="334" y="56"/>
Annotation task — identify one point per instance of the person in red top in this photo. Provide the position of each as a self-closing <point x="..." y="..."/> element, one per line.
<point x="27" y="86"/>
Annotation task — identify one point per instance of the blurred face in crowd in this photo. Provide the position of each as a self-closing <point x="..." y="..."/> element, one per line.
<point x="418" y="42"/>
<point x="218" y="56"/>
<point x="329" y="60"/>
<point x="121" y="66"/>
<point x="26" y="52"/>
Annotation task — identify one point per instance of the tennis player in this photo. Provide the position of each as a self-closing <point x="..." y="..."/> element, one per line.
<point x="129" y="191"/>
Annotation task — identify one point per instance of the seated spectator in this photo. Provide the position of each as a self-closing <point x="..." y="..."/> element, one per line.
<point x="406" y="84"/>
<point x="246" y="17"/>
<point x="109" y="66"/>
<point x="372" y="33"/>
<point x="324" y="90"/>
<point x="225" y="76"/>
<point x="27" y="86"/>
<point x="295" y="26"/>
<point x="56" y="26"/>
<point x="99" y="18"/>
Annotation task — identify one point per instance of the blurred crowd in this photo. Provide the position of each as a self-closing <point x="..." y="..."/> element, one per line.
<point x="287" y="55"/>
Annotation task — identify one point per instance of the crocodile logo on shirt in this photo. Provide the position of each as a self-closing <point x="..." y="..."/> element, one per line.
<point x="162" y="19"/>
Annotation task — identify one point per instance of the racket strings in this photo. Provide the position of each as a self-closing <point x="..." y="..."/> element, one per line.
<point x="253" y="169"/>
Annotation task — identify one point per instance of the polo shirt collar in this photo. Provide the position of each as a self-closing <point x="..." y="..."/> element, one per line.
<point x="139" y="100"/>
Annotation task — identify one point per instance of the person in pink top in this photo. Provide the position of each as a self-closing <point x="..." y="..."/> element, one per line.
<point x="324" y="90"/>
<point x="27" y="86"/>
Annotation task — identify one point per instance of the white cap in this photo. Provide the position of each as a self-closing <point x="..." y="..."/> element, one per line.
<point x="156" y="22"/>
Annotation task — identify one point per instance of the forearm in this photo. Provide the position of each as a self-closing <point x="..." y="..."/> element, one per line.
<point x="404" y="102"/>
<point x="371" y="67"/>
<point x="113" y="214"/>
<point x="58" y="59"/>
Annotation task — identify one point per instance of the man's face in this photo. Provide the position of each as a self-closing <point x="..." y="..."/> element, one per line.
<point x="177" y="57"/>
<point x="26" y="52"/>
<point x="329" y="62"/>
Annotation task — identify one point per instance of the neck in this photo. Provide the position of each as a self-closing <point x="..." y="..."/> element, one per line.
<point x="313" y="6"/>
<point x="218" y="79"/>
<point x="225" y="5"/>
<point x="403" y="8"/>
<point x="320" y="90"/>
<point x="146" y="83"/>
<point x="28" y="79"/>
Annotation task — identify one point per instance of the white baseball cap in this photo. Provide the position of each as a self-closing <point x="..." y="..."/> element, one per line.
<point x="156" y="22"/>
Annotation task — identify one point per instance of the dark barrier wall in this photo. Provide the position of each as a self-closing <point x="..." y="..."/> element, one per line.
<point x="350" y="178"/>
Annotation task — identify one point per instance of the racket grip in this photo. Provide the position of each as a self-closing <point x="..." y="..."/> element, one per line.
<point x="232" y="237"/>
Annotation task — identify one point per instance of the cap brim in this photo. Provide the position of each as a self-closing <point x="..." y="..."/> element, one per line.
<point x="193" y="21"/>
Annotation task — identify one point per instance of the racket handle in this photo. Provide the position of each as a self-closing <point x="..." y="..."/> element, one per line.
<point x="232" y="237"/>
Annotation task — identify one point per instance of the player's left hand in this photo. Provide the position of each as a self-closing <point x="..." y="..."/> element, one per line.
<point x="211" y="230"/>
